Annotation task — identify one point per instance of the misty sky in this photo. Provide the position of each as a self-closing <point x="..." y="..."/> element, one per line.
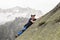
<point x="43" y="5"/>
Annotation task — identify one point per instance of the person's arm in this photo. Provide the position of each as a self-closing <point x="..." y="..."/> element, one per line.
<point x="32" y="21"/>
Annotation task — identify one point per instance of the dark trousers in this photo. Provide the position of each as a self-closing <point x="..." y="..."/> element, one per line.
<point x="20" y="32"/>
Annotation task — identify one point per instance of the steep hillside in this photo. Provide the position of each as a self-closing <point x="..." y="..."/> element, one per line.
<point x="45" y="28"/>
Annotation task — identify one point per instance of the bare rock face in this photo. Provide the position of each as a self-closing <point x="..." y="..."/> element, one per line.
<point x="45" y="28"/>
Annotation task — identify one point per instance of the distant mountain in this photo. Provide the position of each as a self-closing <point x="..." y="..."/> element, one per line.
<point x="20" y="10"/>
<point x="9" y="29"/>
<point x="10" y="13"/>
<point x="46" y="28"/>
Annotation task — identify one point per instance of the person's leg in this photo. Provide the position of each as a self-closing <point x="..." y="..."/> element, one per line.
<point x="20" y="32"/>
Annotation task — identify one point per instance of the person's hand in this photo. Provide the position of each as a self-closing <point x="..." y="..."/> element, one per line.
<point x="32" y="21"/>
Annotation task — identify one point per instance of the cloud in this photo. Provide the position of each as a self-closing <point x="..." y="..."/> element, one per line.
<point x="43" y="5"/>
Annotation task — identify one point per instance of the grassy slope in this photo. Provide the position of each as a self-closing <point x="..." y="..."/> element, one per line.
<point x="46" y="28"/>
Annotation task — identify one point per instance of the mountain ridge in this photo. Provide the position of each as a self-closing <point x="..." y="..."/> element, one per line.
<point x="11" y="13"/>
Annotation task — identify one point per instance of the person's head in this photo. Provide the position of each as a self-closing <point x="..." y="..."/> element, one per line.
<point x="33" y="16"/>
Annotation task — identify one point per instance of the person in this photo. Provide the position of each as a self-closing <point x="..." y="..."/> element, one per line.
<point x="29" y="23"/>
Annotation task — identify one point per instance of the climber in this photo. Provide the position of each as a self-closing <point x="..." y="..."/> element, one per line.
<point x="30" y="22"/>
